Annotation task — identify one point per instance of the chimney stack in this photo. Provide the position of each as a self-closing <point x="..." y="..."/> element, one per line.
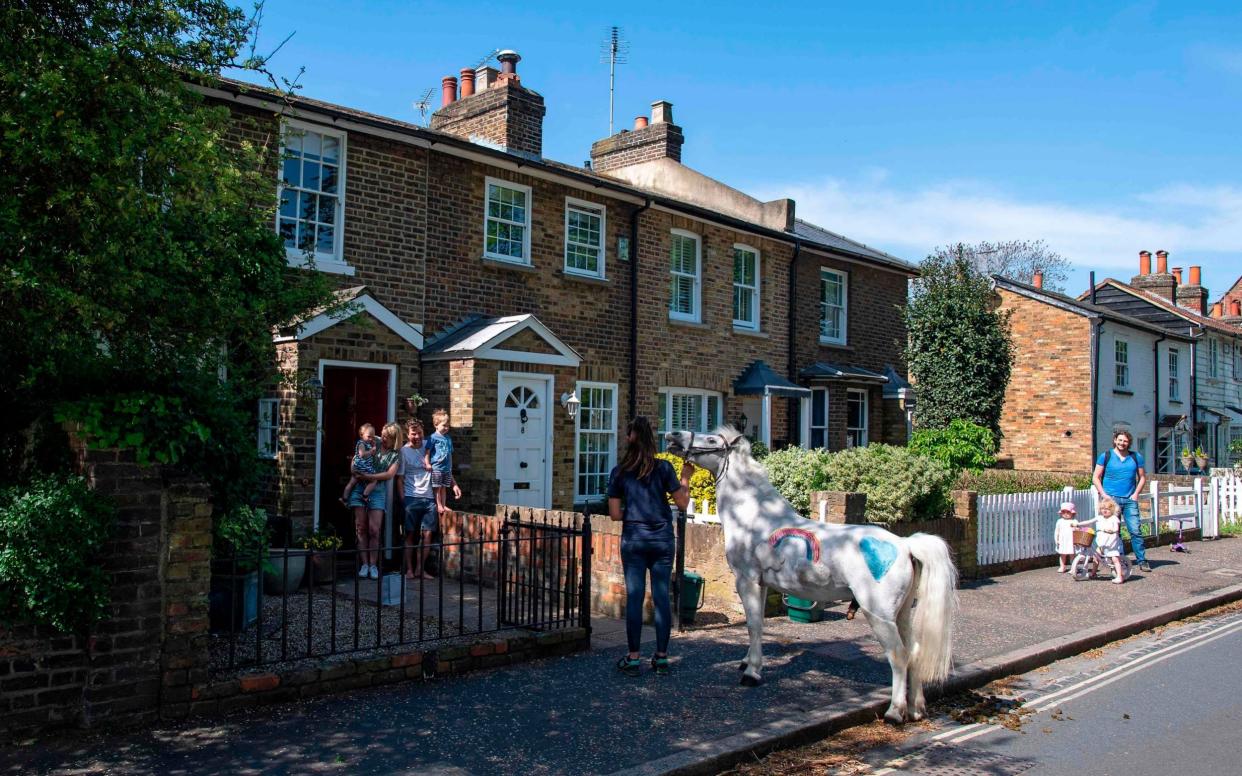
<point x="494" y="109"/>
<point x="658" y="138"/>
<point x="448" y="91"/>
<point x="1193" y="296"/>
<point x="1037" y="279"/>
<point x="1160" y="282"/>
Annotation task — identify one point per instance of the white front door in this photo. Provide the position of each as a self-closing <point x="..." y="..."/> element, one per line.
<point x="523" y="441"/>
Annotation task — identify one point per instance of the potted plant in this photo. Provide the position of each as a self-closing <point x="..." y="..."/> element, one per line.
<point x="1187" y="458"/>
<point x="322" y="546"/>
<point x="1235" y="450"/>
<point x="287" y="563"/>
<point x="413" y="402"/>
<point x="239" y="551"/>
<point x="1201" y="459"/>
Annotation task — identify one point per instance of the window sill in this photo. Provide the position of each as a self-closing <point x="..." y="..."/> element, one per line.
<point x="751" y="332"/>
<point x="836" y="346"/>
<point x="502" y="264"/>
<point x="298" y="261"/>
<point x="1123" y="391"/>
<point x="589" y="279"/>
<point x="687" y="324"/>
<point x="1175" y="401"/>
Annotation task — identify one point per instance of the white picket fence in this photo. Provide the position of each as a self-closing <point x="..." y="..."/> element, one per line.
<point x="702" y="511"/>
<point x="1224" y="504"/>
<point x="1016" y="526"/>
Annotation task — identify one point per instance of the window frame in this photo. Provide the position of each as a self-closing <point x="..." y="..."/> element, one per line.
<point x="1213" y="357"/>
<point x="844" y="278"/>
<point x="590" y="208"/>
<point x="696" y="314"/>
<point x="488" y="182"/>
<point x="811" y="427"/>
<point x="295" y="257"/>
<point x="864" y="429"/>
<point x="271" y="429"/>
<point x="1121" y="364"/>
<point x="739" y="323"/>
<point x="665" y="399"/>
<point x="610" y="444"/>
<point x="1173" y="361"/>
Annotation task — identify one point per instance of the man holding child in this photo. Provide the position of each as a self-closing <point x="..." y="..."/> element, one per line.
<point x="1120" y="475"/>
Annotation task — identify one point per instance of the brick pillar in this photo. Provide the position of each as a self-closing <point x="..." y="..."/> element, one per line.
<point x="966" y="508"/>
<point x="842" y="508"/>
<point x="187" y="582"/>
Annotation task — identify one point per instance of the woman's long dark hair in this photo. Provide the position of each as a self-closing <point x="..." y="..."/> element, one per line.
<point x="640" y="453"/>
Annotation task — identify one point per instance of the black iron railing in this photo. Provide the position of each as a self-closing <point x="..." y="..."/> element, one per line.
<point x="496" y="575"/>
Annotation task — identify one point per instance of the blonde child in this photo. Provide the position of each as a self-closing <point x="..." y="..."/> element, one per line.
<point x="364" y="462"/>
<point x="1107" y="535"/>
<point x="438" y="458"/>
<point x="1064" y="535"/>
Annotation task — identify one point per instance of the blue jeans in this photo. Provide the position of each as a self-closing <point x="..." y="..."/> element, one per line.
<point x="639" y="554"/>
<point x="1130" y="513"/>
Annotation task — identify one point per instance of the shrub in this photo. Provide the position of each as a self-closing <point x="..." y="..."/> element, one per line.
<point x="796" y="472"/>
<point x="991" y="482"/>
<point x="241" y="533"/>
<point x="51" y="533"/>
<point x="900" y="485"/>
<point x="702" y="483"/>
<point x="961" y="445"/>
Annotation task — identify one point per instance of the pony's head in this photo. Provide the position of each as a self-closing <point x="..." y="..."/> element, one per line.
<point x="710" y="451"/>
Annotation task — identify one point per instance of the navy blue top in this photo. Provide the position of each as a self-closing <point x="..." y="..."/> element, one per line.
<point x="441" y="451"/>
<point x="645" y="499"/>
<point x="1120" y="476"/>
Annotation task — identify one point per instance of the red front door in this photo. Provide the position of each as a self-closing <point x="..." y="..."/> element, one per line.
<point x="351" y="397"/>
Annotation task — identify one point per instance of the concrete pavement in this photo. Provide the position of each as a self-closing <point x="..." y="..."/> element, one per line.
<point x="576" y="715"/>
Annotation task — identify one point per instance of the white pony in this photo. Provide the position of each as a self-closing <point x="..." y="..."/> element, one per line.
<point x="768" y="544"/>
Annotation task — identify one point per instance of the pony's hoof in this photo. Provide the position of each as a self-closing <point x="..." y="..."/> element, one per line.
<point x="894" y="717"/>
<point x="750" y="681"/>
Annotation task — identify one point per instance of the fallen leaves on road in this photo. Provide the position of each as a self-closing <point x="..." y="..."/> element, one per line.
<point x="837" y="754"/>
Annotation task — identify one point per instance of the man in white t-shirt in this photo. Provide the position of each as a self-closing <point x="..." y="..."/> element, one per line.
<point x="414" y="480"/>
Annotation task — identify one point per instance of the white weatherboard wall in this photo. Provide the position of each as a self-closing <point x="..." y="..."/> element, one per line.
<point x="1132" y="407"/>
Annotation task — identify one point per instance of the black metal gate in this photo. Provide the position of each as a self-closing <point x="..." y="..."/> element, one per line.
<point x="545" y="572"/>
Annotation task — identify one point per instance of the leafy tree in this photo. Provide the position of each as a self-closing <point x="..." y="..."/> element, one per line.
<point x="959" y="349"/>
<point x="1014" y="259"/>
<point x="140" y="264"/>
<point x="961" y="445"/>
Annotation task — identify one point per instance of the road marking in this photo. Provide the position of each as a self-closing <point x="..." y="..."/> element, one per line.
<point x="1041" y="703"/>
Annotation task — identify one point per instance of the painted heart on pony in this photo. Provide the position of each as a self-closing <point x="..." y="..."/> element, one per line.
<point x="769" y="545"/>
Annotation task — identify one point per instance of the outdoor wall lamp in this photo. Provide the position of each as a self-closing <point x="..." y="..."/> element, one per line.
<point x="313" y="389"/>
<point x="571" y="403"/>
<point x="741" y="422"/>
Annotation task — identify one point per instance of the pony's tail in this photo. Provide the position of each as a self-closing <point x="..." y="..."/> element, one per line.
<point x="936" y="593"/>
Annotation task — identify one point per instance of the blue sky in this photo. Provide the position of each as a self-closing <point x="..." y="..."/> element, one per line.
<point x="1104" y="129"/>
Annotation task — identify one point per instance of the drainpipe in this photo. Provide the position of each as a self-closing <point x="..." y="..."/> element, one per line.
<point x="1194" y="387"/>
<point x="1155" y="413"/>
<point x="633" y="403"/>
<point x="1097" y="328"/>
<point x="791" y="407"/>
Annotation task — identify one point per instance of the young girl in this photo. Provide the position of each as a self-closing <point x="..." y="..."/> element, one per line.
<point x="1064" y="535"/>
<point x="1107" y="535"/>
<point x="363" y="463"/>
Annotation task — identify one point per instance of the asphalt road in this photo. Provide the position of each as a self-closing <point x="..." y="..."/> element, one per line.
<point x="1162" y="705"/>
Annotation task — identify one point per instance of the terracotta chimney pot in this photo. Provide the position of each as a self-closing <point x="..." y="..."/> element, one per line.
<point x="1162" y="262"/>
<point x="1037" y="279"/>
<point x="467" y="82"/>
<point x="1235" y="308"/>
<point x="1216" y="309"/>
<point x="1195" y="275"/>
<point x="640" y="122"/>
<point x="448" y="90"/>
<point x="1144" y="262"/>
<point x="1177" y="275"/>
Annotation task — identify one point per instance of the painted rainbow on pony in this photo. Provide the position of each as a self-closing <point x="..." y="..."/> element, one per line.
<point x="812" y="542"/>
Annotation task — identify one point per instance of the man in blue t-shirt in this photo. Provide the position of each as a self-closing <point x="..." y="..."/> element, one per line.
<point x="1119" y="474"/>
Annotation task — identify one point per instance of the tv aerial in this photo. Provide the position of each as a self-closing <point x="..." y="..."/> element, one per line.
<point x="423" y="104"/>
<point x="487" y="58"/>
<point x="615" y="50"/>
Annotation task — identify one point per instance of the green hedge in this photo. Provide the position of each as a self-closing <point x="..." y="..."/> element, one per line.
<point x="51" y="533"/>
<point x="702" y="484"/>
<point x="991" y="482"/>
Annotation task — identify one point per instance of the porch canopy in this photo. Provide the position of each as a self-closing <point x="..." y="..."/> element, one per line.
<point x="847" y="373"/>
<point x="761" y="380"/>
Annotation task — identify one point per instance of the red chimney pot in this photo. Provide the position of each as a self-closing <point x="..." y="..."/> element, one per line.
<point x="467" y="82"/>
<point x="1037" y="279"/>
<point x="1162" y="262"/>
<point x="1144" y="262"/>
<point x="1195" y="275"/>
<point x="448" y="90"/>
<point x="640" y="122"/>
<point x="1235" y="308"/>
<point x="1216" y="309"/>
<point x="1177" y="275"/>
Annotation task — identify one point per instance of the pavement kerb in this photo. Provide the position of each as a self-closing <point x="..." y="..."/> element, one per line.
<point x="713" y="756"/>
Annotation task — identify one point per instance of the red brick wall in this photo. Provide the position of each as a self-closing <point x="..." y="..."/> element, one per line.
<point x="1049" y="390"/>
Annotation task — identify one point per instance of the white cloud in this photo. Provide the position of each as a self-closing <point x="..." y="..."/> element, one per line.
<point x="1180" y="218"/>
<point x="1228" y="60"/>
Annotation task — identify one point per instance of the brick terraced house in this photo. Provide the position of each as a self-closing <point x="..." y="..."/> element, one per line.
<point x="1205" y="373"/>
<point x="1081" y="371"/>
<point x="503" y="285"/>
